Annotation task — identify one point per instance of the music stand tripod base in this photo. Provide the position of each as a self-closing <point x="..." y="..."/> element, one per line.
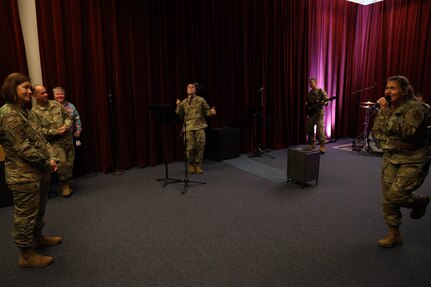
<point x="168" y="180"/>
<point x="118" y="172"/>
<point x="260" y="152"/>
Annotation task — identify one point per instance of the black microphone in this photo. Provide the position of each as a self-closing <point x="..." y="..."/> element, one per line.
<point x="377" y="105"/>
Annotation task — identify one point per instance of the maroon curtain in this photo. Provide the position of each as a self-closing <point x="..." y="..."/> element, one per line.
<point x="12" y="56"/>
<point x="146" y="52"/>
<point x="331" y="40"/>
<point x="393" y="38"/>
<point x="74" y="55"/>
<point x="284" y="70"/>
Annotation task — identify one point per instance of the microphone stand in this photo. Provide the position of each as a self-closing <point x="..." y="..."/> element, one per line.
<point x="186" y="179"/>
<point x="258" y="122"/>
<point x="115" y="156"/>
<point x="366" y="89"/>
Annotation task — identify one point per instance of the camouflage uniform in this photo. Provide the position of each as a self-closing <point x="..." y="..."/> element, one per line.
<point x="403" y="137"/>
<point x="316" y="118"/>
<point x="27" y="168"/>
<point x="194" y="111"/>
<point x="48" y="120"/>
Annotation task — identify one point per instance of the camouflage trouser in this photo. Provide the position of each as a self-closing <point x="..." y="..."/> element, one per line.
<point x="398" y="183"/>
<point x="29" y="209"/>
<point x="66" y="157"/>
<point x="316" y="119"/>
<point x="195" y="146"/>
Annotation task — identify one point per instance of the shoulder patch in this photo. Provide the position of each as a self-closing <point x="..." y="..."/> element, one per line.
<point x="11" y="122"/>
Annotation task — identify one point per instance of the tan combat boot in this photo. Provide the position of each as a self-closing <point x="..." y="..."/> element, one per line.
<point x="192" y="169"/>
<point x="312" y="145"/>
<point x="32" y="259"/>
<point x="419" y="207"/>
<point x="322" y="148"/>
<point x="47" y="241"/>
<point x="198" y="169"/>
<point x="393" y="238"/>
<point x="66" y="189"/>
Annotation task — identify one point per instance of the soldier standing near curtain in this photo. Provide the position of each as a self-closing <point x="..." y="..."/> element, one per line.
<point x="314" y="105"/>
<point x="60" y="96"/>
<point x="401" y="128"/>
<point x="54" y="123"/>
<point x="76" y="129"/>
<point x="193" y="111"/>
<point x="29" y="160"/>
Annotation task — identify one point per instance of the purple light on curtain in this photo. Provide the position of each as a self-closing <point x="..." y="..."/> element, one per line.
<point x="328" y="125"/>
<point x="319" y="37"/>
<point x="330" y="36"/>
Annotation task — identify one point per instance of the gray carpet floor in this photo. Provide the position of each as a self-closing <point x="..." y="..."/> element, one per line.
<point x="245" y="227"/>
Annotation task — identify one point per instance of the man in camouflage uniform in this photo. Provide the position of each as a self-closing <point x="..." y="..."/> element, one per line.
<point x="401" y="128"/>
<point x="54" y="123"/>
<point x="193" y="111"/>
<point x="314" y="102"/>
<point x="28" y="161"/>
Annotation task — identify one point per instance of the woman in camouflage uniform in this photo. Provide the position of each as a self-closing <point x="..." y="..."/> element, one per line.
<point x="29" y="159"/>
<point x="193" y="111"/>
<point x="401" y="128"/>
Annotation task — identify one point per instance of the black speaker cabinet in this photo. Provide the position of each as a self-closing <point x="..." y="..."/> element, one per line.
<point x="303" y="165"/>
<point x="222" y="143"/>
<point x="6" y="198"/>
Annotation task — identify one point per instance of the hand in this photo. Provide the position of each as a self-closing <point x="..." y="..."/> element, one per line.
<point x="53" y="165"/>
<point x="213" y="111"/>
<point x="383" y="103"/>
<point x="62" y="130"/>
<point x="77" y="134"/>
<point x="178" y="102"/>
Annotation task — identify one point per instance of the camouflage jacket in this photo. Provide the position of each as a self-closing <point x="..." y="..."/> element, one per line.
<point x="193" y="112"/>
<point x="403" y="132"/>
<point x="49" y="119"/>
<point x="27" y="152"/>
<point x="314" y="101"/>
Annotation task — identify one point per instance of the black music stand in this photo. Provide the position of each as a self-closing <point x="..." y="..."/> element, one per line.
<point x="165" y="114"/>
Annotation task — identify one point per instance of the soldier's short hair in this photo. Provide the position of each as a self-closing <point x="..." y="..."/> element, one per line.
<point x="8" y="89"/>
<point x="59" y="89"/>
<point x="33" y="88"/>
